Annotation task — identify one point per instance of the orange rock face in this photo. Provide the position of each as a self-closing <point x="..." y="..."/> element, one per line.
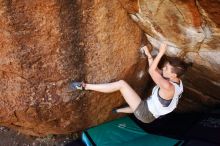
<point x="47" y="44"/>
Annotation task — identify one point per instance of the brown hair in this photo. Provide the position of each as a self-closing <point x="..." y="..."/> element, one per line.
<point x="179" y="66"/>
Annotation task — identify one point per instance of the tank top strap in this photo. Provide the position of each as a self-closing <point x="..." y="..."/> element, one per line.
<point x="178" y="88"/>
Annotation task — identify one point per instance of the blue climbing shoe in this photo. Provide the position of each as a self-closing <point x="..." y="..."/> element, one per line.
<point x="77" y="86"/>
<point x="114" y="111"/>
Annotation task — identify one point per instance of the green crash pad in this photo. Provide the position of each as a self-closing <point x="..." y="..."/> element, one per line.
<point x="123" y="131"/>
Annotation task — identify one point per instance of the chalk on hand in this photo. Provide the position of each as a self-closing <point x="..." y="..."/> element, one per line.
<point x="142" y="50"/>
<point x="143" y="55"/>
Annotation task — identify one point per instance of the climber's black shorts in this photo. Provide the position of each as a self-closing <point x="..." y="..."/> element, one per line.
<point x="142" y="112"/>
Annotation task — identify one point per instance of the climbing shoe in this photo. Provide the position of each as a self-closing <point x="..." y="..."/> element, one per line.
<point x="77" y="86"/>
<point x="114" y="111"/>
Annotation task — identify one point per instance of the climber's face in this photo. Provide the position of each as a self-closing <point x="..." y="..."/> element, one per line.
<point x="168" y="71"/>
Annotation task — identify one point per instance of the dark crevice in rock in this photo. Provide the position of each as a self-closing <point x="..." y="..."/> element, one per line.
<point x="73" y="33"/>
<point x="72" y="15"/>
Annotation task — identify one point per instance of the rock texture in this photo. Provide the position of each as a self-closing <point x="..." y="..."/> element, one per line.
<point x="47" y="44"/>
<point x="192" y="30"/>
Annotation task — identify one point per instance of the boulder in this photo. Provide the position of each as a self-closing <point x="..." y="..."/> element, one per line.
<point x="45" y="45"/>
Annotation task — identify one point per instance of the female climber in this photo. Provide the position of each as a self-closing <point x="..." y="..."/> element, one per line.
<point x="165" y="94"/>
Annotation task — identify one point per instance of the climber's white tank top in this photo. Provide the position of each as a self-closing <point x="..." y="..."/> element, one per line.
<point x="155" y="106"/>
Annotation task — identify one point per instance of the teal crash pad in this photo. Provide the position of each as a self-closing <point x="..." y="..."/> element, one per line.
<point x="123" y="131"/>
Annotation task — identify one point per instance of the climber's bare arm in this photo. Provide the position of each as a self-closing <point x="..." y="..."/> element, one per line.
<point x="150" y="58"/>
<point x="156" y="74"/>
